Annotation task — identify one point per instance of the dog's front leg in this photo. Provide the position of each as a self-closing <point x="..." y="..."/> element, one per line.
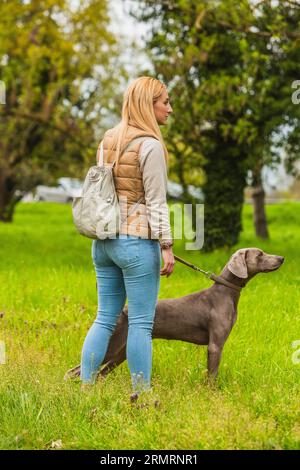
<point x="214" y="352"/>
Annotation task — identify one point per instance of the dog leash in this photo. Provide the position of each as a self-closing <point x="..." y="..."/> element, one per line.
<point x="210" y="275"/>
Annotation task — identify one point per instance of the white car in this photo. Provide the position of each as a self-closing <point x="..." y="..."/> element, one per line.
<point x="65" y="191"/>
<point x="175" y="191"/>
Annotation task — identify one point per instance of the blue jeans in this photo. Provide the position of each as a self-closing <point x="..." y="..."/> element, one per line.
<point x="125" y="266"/>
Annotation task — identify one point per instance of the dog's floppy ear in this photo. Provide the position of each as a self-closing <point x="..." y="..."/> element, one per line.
<point x="237" y="264"/>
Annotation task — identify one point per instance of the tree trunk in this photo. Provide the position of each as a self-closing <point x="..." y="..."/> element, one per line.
<point x="259" y="213"/>
<point x="7" y="199"/>
<point x="223" y="196"/>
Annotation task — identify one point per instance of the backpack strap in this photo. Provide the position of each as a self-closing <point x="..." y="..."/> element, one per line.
<point x="100" y="154"/>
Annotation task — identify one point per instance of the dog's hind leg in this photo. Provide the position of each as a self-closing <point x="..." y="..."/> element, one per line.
<point x="113" y="363"/>
<point x="106" y="368"/>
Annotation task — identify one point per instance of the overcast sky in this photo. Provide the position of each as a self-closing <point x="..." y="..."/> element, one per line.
<point x="129" y="29"/>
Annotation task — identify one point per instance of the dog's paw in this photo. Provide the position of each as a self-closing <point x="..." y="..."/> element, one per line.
<point x="143" y="401"/>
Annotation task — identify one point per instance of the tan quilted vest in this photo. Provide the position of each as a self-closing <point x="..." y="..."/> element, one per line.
<point x="129" y="181"/>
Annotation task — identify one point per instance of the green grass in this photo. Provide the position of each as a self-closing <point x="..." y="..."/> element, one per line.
<point x="48" y="301"/>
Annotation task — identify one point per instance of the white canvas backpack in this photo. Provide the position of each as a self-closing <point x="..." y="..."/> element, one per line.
<point x="96" y="213"/>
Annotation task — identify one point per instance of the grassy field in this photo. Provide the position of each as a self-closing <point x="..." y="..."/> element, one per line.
<point x="48" y="302"/>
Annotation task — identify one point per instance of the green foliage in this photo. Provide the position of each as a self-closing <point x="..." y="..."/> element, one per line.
<point x="56" y="61"/>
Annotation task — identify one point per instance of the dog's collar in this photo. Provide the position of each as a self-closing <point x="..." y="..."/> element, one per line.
<point x="210" y="275"/>
<point x="221" y="280"/>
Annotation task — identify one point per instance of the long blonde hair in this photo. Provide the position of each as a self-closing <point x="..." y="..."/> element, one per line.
<point x="137" y="111"/>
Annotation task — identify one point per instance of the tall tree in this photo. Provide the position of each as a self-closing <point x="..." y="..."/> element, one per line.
<point x="188" y="43"/>
<point x="57" y="64"/>
<point x="225" y="74"/>
<point x="272" y="61"/>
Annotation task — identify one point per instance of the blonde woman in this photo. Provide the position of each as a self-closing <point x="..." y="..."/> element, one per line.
<point x="130" y="264"/>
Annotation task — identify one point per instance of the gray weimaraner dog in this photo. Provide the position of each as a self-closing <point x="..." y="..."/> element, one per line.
<point x="204" y="317"/>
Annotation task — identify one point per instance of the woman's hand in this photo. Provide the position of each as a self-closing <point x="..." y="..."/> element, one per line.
<point x="169" y="261"/>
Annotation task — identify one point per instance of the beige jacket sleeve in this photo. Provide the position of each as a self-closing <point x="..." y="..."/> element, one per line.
<point x="154" y="171"/>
